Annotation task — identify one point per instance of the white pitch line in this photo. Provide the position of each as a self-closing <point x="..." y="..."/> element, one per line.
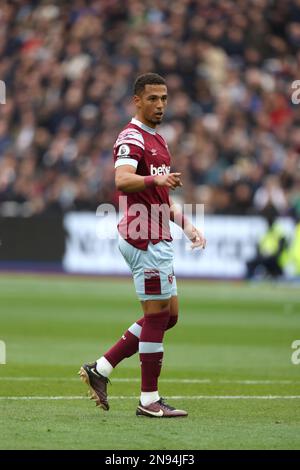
<point x="182" y="397"/>
<point x="258" y="382"/>
<point x="174" y="380"/>
<point x="74" y="379"/>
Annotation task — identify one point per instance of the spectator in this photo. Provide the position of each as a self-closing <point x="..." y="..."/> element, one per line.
<point x="231" y="125"/>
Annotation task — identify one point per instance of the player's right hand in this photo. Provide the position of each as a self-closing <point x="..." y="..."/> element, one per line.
<point x="172" y="180"/>
<point x="197" y="238"/>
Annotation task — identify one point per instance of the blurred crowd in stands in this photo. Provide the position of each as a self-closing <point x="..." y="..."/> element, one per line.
<point x="231" y="125"/>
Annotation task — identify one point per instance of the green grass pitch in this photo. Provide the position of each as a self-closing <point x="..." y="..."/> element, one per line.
<point x="228" y="362"/>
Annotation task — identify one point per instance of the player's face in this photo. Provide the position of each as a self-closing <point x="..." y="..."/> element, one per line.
<point x="151" y="104"/>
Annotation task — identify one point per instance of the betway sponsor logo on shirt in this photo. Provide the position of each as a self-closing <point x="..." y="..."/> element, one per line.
<point x="159" y="170"/>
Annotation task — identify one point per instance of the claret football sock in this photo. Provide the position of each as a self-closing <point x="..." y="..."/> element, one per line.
<point x="126" y="346"/>
<point x="129" y="342"/>
<point x="151" y="349"/>
<point x="173" y="319"/>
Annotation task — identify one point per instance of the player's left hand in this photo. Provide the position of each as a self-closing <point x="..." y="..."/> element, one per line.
<point x="197" y="238"/>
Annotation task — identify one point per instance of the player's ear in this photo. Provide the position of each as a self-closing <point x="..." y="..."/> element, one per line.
<point x="137" y="101"/>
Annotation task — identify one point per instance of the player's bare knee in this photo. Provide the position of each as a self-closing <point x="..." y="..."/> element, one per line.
<point x="173" y="310"/>
<point x="174" y="307"/>
<point x="156" y="306"/>
<point x="165" y="305"/>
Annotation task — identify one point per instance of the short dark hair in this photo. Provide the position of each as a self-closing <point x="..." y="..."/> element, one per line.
<point x="147" y="79"/>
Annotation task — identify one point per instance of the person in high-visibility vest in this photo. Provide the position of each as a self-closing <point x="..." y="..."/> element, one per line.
<point x="271" y="252"/>
<point x="293" y="254"/>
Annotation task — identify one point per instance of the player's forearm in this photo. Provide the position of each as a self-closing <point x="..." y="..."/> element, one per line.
<point x="195" y="235"/>
<point x="130" y="182"/>
<point x="177" y="216"/>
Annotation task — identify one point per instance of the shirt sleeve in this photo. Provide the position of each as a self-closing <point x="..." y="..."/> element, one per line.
<point x="129" y="148"/>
